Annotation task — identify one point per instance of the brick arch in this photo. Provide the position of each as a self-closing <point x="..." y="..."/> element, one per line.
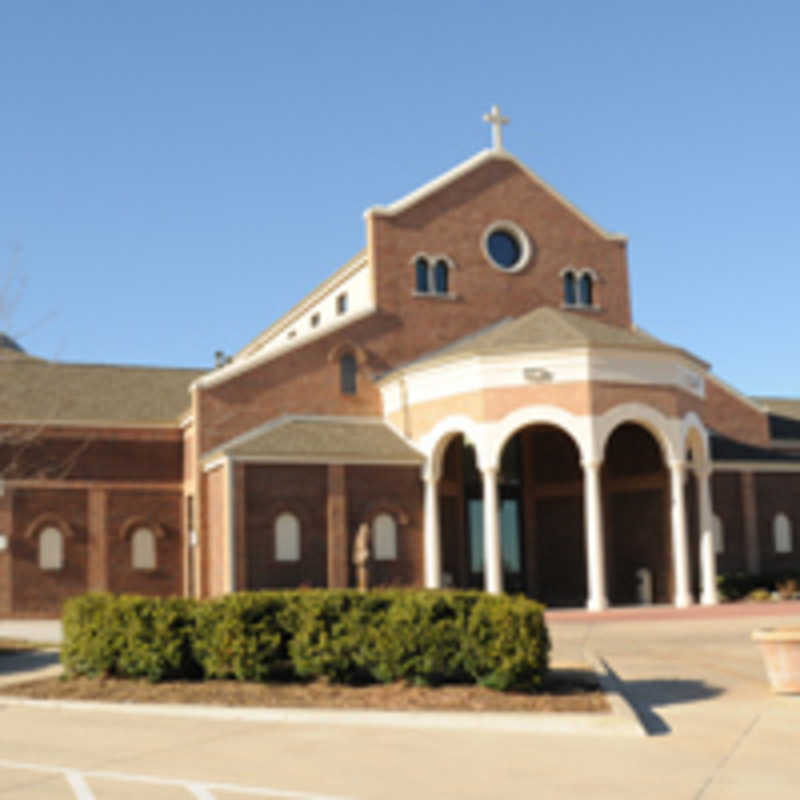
<point x="132" y="523"/>
<point x="46" y="519"/>
<point x="278" y="507"/>
<point x="348" y="346"/>
<point x="381" y="507"/>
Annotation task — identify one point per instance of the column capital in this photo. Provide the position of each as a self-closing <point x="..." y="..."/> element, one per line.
<point x="489" y="470"/>
<point x="429" y="472"/>
<point x="592" y="464"/>
<point x="677" y="464"/>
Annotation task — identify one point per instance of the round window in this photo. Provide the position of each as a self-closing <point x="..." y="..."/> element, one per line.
<point x="506" y="246"/>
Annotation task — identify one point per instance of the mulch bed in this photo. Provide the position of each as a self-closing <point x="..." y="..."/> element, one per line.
<point x="566" y="690"/>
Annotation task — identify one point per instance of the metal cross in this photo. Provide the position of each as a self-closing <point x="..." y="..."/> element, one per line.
<point x="496" y="120"/>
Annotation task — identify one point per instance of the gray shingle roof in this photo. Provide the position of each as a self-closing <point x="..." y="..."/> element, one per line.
<point x="551" y="329"/>
<point x="342" y="440"/>
<point x="35" y="390"/>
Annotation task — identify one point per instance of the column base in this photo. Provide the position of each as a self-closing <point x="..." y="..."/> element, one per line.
<point x="596" y="604"/>
<point x="709" y="599"/>
<point x="683" y="602"/>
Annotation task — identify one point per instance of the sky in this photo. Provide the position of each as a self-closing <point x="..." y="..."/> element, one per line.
<point x="175" y="175"/>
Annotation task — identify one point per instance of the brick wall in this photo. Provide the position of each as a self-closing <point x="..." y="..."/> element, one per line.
<point x="776" y="493"/>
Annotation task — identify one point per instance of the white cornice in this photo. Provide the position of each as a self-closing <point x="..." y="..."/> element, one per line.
<point x="238" y="367"/>
<point x="472" y="163"/>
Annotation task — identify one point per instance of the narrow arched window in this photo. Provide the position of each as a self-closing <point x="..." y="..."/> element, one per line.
<point x="440" y="277"/>
<point x="143" y="549"/>
<point x="287" y="537"/>
<point x="51" y="548"/>
<point x="423" y="276"/>
<point x="569" y="289"/>
<point x="718" y="534"/>
<point x="782" y="533"/>
<point x="384" y="538"/>
<point x="585" y="290"/>
<point x="347" y="373"/>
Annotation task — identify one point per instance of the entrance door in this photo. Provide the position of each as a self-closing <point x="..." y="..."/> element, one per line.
<point x="510" y="512"/>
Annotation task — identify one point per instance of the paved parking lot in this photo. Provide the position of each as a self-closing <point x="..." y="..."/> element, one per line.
<point x="715" y="732"/>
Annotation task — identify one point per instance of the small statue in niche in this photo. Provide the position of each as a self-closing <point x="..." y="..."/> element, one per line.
<point x="361" y="556"/>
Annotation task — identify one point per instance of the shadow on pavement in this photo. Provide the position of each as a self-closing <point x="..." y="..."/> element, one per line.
<point x="27" y="661"/>
<point x="645" y="695"/>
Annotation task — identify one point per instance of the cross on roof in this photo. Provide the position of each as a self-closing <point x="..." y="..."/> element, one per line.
<point x="496" y="120"/>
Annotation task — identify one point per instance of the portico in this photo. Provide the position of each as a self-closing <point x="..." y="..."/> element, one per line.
<point x="553" y="481"/>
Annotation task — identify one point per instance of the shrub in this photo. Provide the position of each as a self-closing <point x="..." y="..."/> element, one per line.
<point x="507" y="643"/>
<point x="345" y="636"/>
<point x="741" y="584"/>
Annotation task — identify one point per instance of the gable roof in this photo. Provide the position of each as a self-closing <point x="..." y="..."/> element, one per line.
<point x="50" y="392"/>
<point x="548" y="328"/>
<point x="782" y="406"/>
<point x="474" y="163"/>
<point x="326" y="439"/>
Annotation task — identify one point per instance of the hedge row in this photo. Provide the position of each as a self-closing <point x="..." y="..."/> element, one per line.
<point x="345" y="636"/>
<point x="740" y="584"/>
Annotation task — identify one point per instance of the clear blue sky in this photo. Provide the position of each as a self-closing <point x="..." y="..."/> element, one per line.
<point x="178" y="174"/>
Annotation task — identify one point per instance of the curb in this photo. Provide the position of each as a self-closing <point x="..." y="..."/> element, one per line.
<point x="620" y="721"/>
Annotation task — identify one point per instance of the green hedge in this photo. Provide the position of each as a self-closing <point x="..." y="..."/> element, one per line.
<point x="345" y="636"/>
<point x="738" y="585"/>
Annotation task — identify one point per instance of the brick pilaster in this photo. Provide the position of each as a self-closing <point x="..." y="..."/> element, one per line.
<point x="7" y="530"/>
<point x="97" y="568"/>
<point x="752" y="549"/>
<point x="338" y="550"/>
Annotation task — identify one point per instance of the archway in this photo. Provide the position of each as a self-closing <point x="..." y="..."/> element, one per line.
<point x="637" y="517"/>
<point x="540" y="510"/>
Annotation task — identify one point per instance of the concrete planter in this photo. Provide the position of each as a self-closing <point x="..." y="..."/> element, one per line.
<point x="781" y="650"/>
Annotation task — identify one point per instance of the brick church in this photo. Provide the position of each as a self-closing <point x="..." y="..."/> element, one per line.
<point x="470" y="385"/>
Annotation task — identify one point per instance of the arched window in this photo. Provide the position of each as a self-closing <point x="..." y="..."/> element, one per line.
<point x="585" y="290"/>
<point x="423" y="276"/>
<point x="441" y="277"/>
<point x="347" y="373"/>
<point x="51" y="548"/>
<point x="143" y="549"/>
<point x="782" y="533"/>
<point x="569" y="289"/>
<point x="384" y="538"/>
<point x="287" y="537"/>
<point x="718" y="533"/>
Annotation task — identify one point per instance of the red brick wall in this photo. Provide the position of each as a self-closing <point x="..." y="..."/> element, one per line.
<point x="731" y="416"/>
<point x="726" y="499"/>
<point x="397" y="491"/>
<point x="778" y="492"/>
<point x="38" y="591"/>
<point x="269" y="491"/>
<point x="213" y="537"/>
<point x="161" y="508"/>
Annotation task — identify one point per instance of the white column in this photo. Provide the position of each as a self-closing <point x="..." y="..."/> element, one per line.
<point x="492" y="559"/>
<point x="680" y="547"/>
<point x="595" y="544"/>
<point x="433" y="547"/>
<point x="708" y="556"/>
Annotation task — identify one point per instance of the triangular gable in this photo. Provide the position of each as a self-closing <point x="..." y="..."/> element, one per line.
<point x="474" y="163"/>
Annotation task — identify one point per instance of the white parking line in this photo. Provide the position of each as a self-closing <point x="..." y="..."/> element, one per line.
<point x="202" y="790"/>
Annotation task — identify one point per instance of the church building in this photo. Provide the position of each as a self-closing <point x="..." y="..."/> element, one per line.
<point x="471" y="385"/>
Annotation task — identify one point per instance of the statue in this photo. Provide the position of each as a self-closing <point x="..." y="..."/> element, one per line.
<point x="361" y="556"/>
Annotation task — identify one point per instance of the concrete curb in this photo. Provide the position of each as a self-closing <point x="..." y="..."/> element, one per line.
<point x="621" y="721"/>
<point x="506" y="722"/>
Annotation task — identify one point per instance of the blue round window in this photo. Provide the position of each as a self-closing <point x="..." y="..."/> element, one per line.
<point x="504" y="249"/>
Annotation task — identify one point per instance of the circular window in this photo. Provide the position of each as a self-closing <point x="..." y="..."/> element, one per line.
<point x="506" y="246"/>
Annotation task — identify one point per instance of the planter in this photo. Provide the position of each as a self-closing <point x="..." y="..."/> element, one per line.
<point x="781" y="650"/>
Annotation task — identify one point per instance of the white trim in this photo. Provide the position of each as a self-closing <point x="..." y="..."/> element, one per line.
<point x="756" y="466"/>
<point x="293" y="314"/>
<point x="187" y="422"/>
<point x="215" y="464"/>
<point x="472" y="163"/>
<point x="517" y="232"/>
<point x="356" y="461"/>
<point x="237" y="367"/>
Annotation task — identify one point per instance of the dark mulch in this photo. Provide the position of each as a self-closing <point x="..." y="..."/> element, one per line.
<point x="566" y="690"/>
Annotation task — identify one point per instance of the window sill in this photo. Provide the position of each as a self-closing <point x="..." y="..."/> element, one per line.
<point x="435" y="295"/>
<point x="578" y="307"/>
